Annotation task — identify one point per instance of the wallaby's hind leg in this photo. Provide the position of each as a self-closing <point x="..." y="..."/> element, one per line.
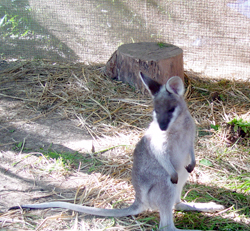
<point x="161" y="196"/>
<point x="180" y="185"/>
<point x="166" y="218"/>
<point x="166" y="222"/>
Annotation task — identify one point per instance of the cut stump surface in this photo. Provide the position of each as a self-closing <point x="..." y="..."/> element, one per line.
<point x="159" y="61"/>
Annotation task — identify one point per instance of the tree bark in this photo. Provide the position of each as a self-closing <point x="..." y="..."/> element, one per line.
<point x="160" y="61"/>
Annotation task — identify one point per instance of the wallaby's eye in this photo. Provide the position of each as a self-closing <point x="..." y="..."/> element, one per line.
<point x="171" y="110"/>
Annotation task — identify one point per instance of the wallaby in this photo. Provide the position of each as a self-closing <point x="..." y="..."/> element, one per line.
<point x="163" y="159"/>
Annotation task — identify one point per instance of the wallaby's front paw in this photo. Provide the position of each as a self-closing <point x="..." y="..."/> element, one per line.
<point x="174" y="179"/>
<point x="190" y="167"/>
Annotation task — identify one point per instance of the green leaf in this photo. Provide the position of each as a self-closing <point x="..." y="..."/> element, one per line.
<point x="26" y="32"/>
<point x="222" y="97"/>
<point x="2" y="20"/>
<point x="236" y="127"/>
<point x="244" y="129"/>
<point x="206" y="162"/>
<point x="215" y="127"/>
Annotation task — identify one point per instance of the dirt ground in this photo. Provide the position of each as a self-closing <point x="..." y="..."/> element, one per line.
<point x="59" y="134"/>
<point x="25" y="130"/>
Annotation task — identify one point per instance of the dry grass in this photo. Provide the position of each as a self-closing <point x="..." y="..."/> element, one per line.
<point x="115" y="116"/>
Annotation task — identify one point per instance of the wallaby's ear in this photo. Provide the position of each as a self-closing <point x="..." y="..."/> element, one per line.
<point x="175" y="85"/>
<point x="152" y="86"/>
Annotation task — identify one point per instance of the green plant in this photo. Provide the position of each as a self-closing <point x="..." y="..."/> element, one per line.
<point x="243" y="182"/>
<point x="239" y="123"/>
<point x="14" y="25"/>
<point x="206" y="162"/>
<point x="15" y="19"/>
<point x="162" y="44"/>
<point x="215" y="127"/>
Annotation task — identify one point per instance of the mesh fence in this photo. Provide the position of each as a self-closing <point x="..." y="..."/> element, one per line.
<point x="214" y="34"/>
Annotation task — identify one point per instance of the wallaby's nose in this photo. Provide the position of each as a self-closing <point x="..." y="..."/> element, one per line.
<point x="163" y="126"/>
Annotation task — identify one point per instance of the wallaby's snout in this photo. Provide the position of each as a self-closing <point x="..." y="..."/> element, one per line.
<point x="163" y="121"/>
<point x="163" y="126"/>
<point x="165" y="106"/>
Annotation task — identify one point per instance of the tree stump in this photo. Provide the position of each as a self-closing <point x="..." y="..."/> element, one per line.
<point x="160" y="61"/>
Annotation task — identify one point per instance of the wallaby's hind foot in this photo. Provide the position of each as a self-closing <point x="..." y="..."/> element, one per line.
<point x="175" y="229"/>
<point x="199" y="207"/>
<point x="188" y="230"/>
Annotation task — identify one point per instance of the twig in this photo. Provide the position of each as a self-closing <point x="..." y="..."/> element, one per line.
<point x="18" y="98"/>
<point x="104" y="108"/>
<point x="22" y="146"/>
<point x="110" y="148"/>
<point x="130" y="101"/>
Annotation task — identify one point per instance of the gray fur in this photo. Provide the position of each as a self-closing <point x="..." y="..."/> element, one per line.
<point x="163" y="159"/>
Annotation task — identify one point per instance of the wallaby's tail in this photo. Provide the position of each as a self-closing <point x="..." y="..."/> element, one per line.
<point x="134" y="209"/>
